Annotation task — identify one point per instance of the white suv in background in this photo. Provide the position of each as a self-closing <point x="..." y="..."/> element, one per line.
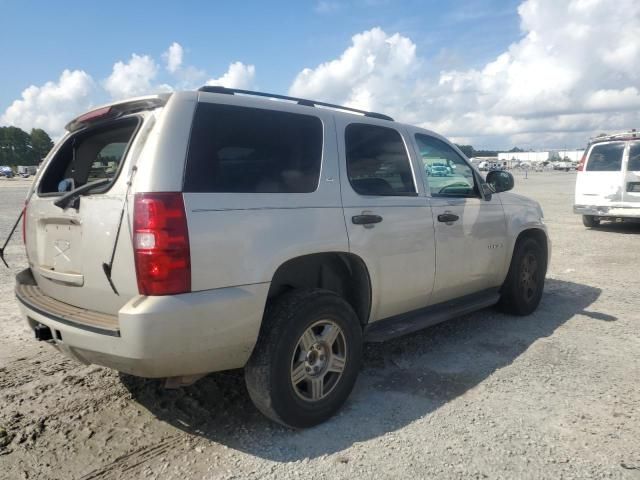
<point x="608" y="181"/>
<point x="175" y="235"/>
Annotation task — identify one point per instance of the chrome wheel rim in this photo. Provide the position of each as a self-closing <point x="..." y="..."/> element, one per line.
<point x="318" y="361"/>
<point x="529" y="276"/>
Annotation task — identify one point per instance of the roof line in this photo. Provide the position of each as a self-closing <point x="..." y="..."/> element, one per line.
<point x="300" y="101"/>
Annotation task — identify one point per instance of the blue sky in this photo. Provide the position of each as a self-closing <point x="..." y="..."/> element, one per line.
<point x="494" y="73"/>
<point x="278" y="37"/>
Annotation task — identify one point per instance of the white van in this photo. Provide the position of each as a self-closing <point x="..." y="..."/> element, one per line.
<point x="608" y="182"/>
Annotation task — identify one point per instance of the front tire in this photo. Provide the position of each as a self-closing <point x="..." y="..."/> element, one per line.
<point x="590" y="221"/>
<point x="307" y="358"/>
<point x="522" y="290"/>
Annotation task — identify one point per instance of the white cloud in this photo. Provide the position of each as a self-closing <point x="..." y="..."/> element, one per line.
<point x="573" y="73"/>
<point x="238" y="75"/>
<point x="324" y="6"/>
<point x="53" y="104"/>
<point x="375" y="65"/>
<point x="133" y="78"/>
<point x="173" y="57"/>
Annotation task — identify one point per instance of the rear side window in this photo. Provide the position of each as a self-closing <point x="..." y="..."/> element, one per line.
<point x="634" y="157"/>
<point x="606" y="157"/>
<point x="251" y="150"/>
<point x="90" y="155"/>
<point x="377" y="161"/>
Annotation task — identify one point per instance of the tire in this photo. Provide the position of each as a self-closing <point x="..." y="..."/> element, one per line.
<point x="282" y="375"/>
<point x="590" y="221"/>
<point x="523" y="287"/>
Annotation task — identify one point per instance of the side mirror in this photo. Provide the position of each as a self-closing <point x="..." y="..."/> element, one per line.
<point x="500" y="181"/>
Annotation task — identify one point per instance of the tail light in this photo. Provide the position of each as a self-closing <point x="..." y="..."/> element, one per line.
<point x="582" y="162"/>
<point x="161" y="244"/>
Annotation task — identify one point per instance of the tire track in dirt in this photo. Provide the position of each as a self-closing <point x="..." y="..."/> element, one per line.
<point x="126" y="466"/>
<point x="23" y="371"/>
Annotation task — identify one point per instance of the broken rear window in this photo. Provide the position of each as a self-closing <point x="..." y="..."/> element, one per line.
<point x="90" y="155"/>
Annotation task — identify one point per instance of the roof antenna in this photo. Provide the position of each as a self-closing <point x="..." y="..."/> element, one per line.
<point x="107" y="267"/>
<point x="6" y="242"/>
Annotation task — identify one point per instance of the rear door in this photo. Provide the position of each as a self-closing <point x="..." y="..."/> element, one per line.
<point x="601" y="182"/>
<point x="68" y="244"/>
<point x="631" y="190"/>
<point x="388" y="220"/>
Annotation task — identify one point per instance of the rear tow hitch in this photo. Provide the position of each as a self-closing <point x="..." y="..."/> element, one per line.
<point x="43" y="333"/>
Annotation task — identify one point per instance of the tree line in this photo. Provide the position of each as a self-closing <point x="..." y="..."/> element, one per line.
<point x="18" y="147"/>
<point x="469" y="151"/>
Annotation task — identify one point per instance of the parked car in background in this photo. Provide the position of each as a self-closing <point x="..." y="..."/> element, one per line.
<point x="237" y="231"/>
<point x="608" y="180"/>
<point x="439" y="171"/>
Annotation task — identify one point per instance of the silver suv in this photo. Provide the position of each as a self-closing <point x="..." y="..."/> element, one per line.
<point x="175" y="235"/>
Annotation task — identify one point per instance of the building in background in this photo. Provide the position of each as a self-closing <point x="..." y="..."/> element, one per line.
<point x="540" y="157"/>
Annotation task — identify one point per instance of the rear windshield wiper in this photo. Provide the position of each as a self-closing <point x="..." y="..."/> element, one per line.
<point x="65" y="199"/>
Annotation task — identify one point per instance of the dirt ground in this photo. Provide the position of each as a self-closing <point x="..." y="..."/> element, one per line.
<point x="553" y="395"/>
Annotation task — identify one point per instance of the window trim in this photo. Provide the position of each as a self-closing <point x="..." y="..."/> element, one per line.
<point x="138" y="118"/>
<point x="477" y="180"/>
<point x="415" y="193"/>
<point x="631" y="144"/>
<point x="203" y="102"/>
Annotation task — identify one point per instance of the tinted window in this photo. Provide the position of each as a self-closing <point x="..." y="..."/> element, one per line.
<point x="377" y="161"/>
<point x="606" y="157"/>
<point x="634" y="157"/>
<point x="90" y="155"/>
<point x="447" y="172"/>
<point x="250" y="150"/>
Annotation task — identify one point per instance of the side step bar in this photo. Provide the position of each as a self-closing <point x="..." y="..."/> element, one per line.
<point x="410" y="322"/>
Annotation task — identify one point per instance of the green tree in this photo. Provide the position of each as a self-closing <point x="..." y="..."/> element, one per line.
<point x="467" y="150"/>
<point x="41" y="143"/>
<point x="15" y="146"/>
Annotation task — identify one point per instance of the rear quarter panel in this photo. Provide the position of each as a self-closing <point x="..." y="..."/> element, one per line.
<point x="242" y="238"/>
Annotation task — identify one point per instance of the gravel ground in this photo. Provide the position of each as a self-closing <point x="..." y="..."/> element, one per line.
<point x="553" y="395"/>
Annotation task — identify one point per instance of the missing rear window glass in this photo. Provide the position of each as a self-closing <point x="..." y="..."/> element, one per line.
<point x="89" y="156"/>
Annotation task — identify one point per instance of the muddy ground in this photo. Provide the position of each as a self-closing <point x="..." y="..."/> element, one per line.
<point x="553" y="395"/>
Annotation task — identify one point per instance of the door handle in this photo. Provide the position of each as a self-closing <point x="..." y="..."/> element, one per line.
<point x="448" y="217"/>
<point x="366" y="219"/>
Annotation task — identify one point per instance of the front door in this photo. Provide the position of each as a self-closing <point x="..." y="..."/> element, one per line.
<point x="388" y="220"/>
<point x="470" y="231"/>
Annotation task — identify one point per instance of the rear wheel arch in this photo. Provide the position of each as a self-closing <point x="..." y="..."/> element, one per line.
<point x="343" y="273"/>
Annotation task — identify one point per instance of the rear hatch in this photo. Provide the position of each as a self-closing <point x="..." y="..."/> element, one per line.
<point x="600" y="182"/>
<point x="74" y="213"/>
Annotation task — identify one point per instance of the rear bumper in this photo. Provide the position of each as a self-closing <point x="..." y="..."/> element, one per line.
<point x="620" y="211"/>
<point x="165" y="336"/>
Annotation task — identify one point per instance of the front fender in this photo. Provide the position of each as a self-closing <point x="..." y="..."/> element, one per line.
<point x="522" y="214"/>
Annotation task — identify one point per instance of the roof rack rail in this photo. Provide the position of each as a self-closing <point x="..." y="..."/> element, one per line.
<point x="299" y="101"/>
<point x="628" y="135"/>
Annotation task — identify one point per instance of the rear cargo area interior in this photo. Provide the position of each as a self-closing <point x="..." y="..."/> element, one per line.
<point x="92" y="154"/>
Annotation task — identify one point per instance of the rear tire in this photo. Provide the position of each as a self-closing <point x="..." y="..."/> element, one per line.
<point x="590" y="221"/>
<point x="307" y="358"/>
<point x="522" y="290"/>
